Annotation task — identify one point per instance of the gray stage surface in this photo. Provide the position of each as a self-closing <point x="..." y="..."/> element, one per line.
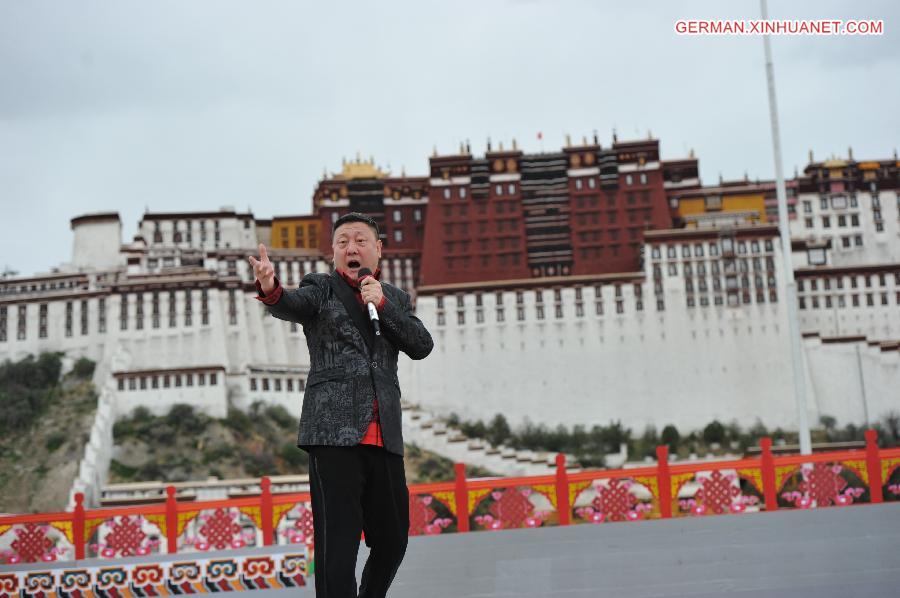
<point x="835" y="552"/>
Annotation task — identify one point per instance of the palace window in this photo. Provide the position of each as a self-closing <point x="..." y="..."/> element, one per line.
<point x="204" y="307"/>
<point x="154" y="313"/>
<point x="232" y="307"/>
<point x="188" y="315"/>
<point x="68" y="318"/>
<point x="101" y="315"/>
<point x="172" y="309"/>
<point x="123" y="312"/>
<point x="139" y="311"/>
<point x="42" y="323"/>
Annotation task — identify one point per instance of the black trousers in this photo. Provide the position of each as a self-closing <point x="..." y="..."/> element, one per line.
<point x="357" y="489"/>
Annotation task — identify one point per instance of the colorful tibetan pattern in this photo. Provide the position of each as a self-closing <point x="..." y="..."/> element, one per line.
<point x="188" y="576"/>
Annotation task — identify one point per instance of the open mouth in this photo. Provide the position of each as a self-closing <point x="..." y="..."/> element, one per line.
<point x="353" y="264"/>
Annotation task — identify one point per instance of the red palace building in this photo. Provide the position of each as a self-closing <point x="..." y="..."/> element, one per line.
<point x="510" y="215"/>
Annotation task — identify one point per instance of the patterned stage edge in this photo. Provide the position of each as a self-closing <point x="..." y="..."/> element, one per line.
<point x="189" y="575"/>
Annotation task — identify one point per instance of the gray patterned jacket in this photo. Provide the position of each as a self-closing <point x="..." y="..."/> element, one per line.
<point x="346" y="374"/>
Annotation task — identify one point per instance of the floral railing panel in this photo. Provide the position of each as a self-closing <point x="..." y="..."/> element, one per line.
<point x="36" y="542"/>
<point x="124" y="535"/>
<point x="218" y="528"/>
<point x="430" y="515"/>
<point x="613" y="499"/>
<point x="823" y="484"/>
<point x="294" y="523"/>
<point x="512" y="507"/>
<point x="716" y="492"/>
<point x="890" y="469"/>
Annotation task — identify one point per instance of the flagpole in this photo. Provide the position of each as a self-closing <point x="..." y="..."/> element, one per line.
<point x="785" y="232"/>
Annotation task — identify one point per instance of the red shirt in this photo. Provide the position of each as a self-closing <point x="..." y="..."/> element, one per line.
<point x="373" y="432"/>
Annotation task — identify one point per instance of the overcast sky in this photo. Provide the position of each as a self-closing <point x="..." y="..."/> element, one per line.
<point x="183" y="106"/>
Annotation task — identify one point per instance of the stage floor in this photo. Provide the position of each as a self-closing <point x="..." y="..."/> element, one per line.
<point x="835" y="552"/>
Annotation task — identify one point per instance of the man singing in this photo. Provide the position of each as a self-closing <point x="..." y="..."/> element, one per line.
<point x="350" y="421"/>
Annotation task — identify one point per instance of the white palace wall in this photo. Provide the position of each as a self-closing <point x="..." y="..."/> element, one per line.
<point x="679" y="367"/>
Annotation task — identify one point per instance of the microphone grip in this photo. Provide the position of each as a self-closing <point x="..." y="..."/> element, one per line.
<point x="373" y="315"/>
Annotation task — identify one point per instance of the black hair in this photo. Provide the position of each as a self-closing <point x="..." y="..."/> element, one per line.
<point x="355" y="217"/>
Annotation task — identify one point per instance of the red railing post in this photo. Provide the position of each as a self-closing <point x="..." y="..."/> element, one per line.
<point x="171" y="521"/>
<point x="664" y="480"/>
<point x="873" y="466"/>
<point x="462" y="498"/>
<point x="78" y="526"/>
<point x="265" y="510"/>
<point x="767" y="464"/>
<point x="562" y="490"/>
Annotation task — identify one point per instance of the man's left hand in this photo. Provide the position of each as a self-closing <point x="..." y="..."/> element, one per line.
<point x="371" y="292"/>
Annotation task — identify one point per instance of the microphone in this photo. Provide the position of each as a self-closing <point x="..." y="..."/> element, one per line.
<point x="373" y="313"/>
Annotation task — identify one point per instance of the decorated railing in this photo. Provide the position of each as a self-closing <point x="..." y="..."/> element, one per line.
<point x="764" y="483"/>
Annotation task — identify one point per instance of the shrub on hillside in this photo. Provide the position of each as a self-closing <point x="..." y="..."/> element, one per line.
<point x="27" y="387"/>
<point x="238" y="420"/>
<point x="84" y="368"/>
<point x="281" y="417"/>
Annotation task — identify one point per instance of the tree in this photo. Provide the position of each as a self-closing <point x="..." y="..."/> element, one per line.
<point x="670" y="437"/>
<point x="714" y="432"/>
<point x="498" y="430"/>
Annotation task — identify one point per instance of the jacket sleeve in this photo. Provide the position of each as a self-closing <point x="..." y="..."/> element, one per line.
<point x="403" y="328"/>
<point x="300" y="304"/>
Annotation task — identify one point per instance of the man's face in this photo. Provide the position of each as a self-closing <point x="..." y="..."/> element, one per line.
<point x="355" y="246"/>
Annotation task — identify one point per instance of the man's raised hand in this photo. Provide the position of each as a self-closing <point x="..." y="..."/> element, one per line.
<point x="263" y="270"/>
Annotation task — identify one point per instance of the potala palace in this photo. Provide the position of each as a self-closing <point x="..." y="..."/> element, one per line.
<point x="581" y="286"/>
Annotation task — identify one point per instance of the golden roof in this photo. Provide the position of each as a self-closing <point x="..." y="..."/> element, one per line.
<point x="361" y="169"/>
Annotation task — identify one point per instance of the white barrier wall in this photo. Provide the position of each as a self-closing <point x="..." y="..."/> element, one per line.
<point x="94" y="466"/>
<point x="854" y="381"/>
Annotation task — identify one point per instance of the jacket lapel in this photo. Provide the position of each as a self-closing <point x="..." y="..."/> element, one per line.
<point x="354" y="309"/>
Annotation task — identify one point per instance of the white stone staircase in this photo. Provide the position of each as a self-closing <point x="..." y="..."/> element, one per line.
<point x="94" y="467"/>
<point x="428" y="431"/>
